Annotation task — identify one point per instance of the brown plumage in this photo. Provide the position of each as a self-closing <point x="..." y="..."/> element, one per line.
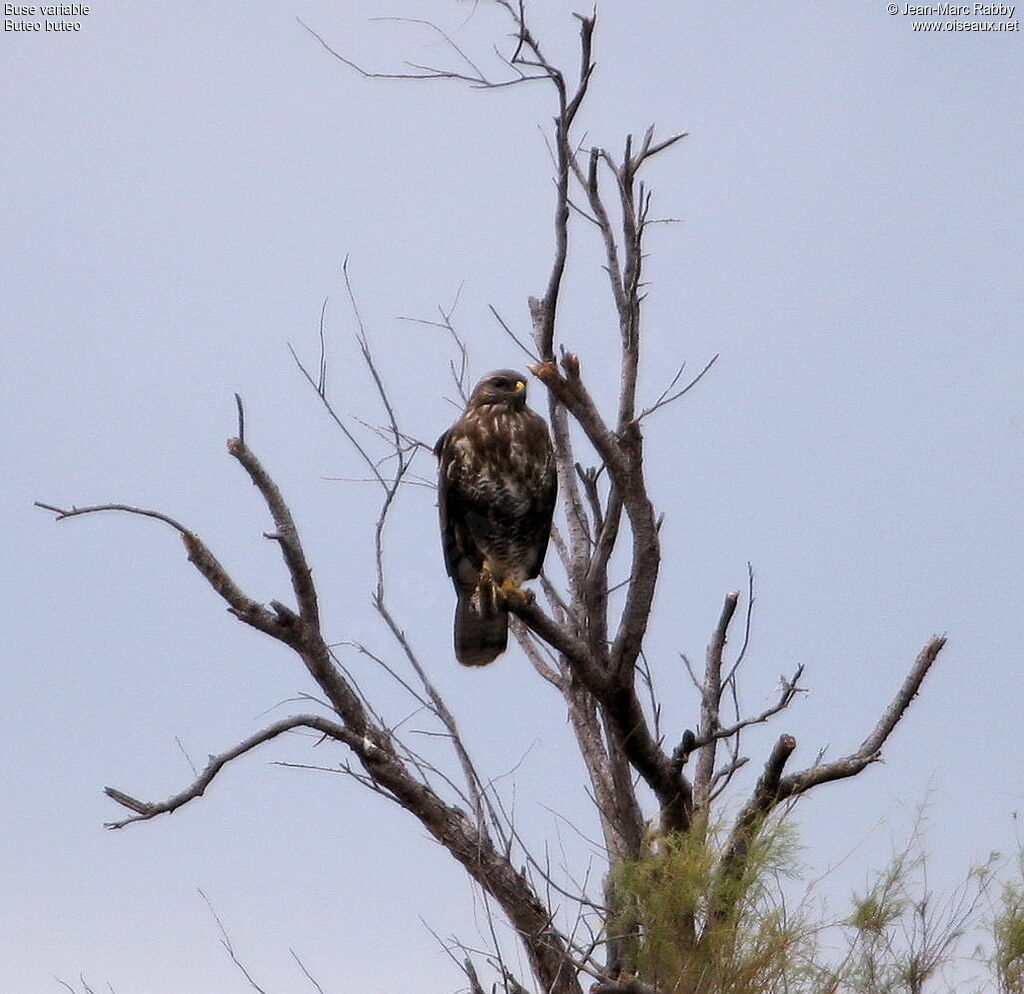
<point x="496" y="487"/>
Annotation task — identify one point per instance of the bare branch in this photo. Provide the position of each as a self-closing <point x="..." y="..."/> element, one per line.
<point x="475" y="79"/>
<point x="241" y="413"/>
<point x="306" y="973"/>
<point x="772" y="788"/>
<point x="748" y="823"/>
<point x="870" y="749"/>
<point x="533" y="654"/>
<point x="474" y="980"/>
<point x="458" y="375"/>
<point x="623" y="459"/>
<point x="316" y="385"/>
<point x="225" y="941"/>
<point x="666" y="398"/>
<point x="74" y="511"/>
<point x="286" y="535"/>
<point x="511" y="334"/>
<point x="723" y="777"/>
<point x="544" y="335"/>
<point x="145" y="810"/>
<point x="562" y="641"/>
<point x="711" y="698"/>
<point x="589" y="477"/>
<point x="622" y="707"/>
<point x="239" y="603"/>
<point x="789" y="691"/>
<point x="445" y="37"/>
<point x="730" y="677"/>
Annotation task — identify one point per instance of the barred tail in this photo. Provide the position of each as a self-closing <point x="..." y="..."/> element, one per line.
<point x="481" y="630"/>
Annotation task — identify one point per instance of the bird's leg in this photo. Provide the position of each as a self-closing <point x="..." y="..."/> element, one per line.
<point x="487" y="591"/>
<point x="504" y="592"/>
<point x="511" y="593"/>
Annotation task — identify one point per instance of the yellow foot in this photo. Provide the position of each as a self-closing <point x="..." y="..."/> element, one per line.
<point x="513" y="595"/>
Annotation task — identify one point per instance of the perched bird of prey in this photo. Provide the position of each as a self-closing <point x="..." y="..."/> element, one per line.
<point x="496" y="487"/>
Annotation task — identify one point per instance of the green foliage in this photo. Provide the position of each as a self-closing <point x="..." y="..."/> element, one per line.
<point x="880" y="907"/>
<point x="1008" y="934"/>
<point x="899" y="936"/>
<point x="675" y="894"/>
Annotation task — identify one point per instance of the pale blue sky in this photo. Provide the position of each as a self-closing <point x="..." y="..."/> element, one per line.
<point x="180" y="186"/>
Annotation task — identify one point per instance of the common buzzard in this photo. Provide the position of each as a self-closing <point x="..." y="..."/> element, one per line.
<point x="496" y="488"/>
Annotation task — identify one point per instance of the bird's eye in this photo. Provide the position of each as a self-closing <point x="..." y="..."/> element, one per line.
<point x="500" y="382"/>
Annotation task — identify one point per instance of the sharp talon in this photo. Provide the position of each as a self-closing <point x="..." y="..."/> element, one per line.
<point x="515" y="595"/>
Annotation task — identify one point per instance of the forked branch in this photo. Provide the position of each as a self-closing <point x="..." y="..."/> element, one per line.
<point x="150" y="809"/>
<point x="773" y="788"/>
<point x="373" y="745"/>
<point x="870" y="750"/>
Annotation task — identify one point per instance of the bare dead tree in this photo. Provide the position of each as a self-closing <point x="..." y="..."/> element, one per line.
<point x="579" y="642"/>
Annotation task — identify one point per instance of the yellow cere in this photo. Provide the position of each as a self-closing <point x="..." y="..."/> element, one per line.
<point x="520" y="385"/>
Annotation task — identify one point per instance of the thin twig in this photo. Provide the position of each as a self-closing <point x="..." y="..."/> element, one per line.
<point x="145" y="810"/>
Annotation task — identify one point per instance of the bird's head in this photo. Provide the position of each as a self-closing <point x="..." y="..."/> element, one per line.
<point x="503" y="387"/>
